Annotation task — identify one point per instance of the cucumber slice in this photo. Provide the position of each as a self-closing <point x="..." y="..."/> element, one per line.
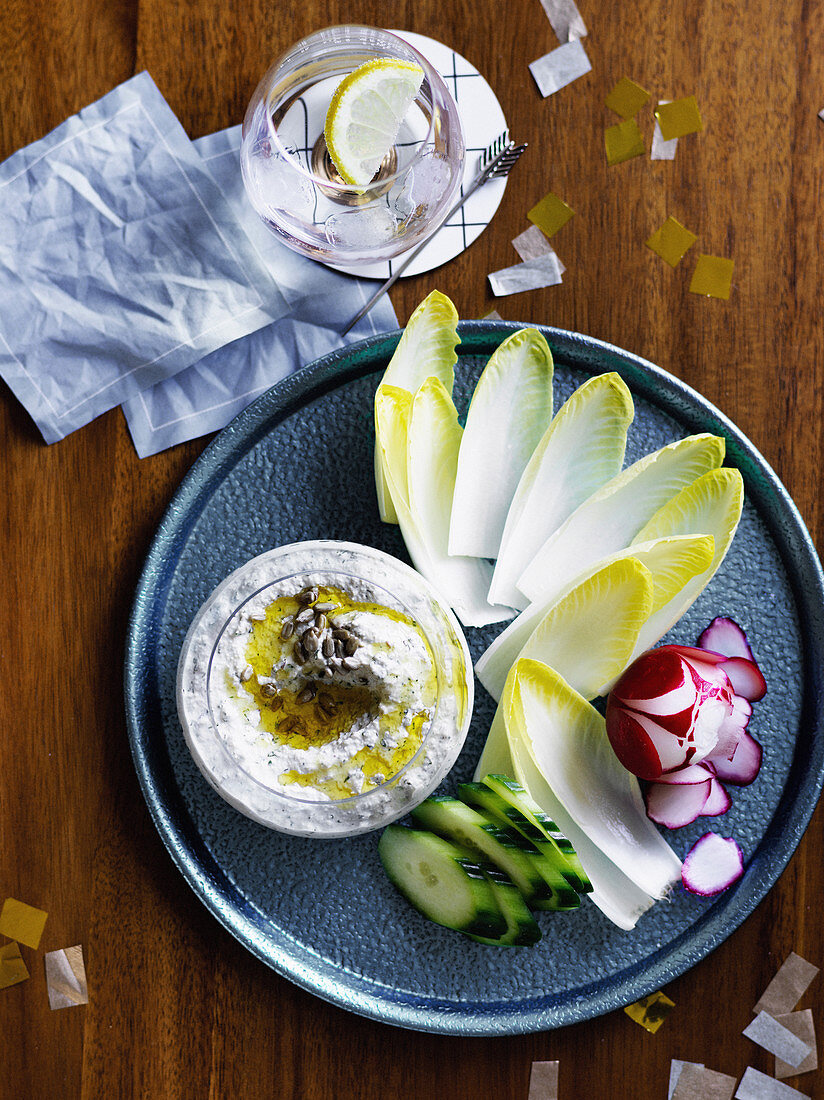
<point x="507" y="802"/>
<point x="514" y="794"/>
<point x="441" y="881"/>
<point x="538" y="879"/>
<point x="522" y="931"/>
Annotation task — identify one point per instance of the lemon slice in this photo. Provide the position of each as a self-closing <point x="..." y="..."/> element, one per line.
<point x="365" y="115"/>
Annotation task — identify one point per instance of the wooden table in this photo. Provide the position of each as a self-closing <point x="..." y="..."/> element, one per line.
<point x="178" y="1009"/>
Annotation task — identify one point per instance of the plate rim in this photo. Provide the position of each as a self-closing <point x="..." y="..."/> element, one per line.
<point x="358" y="993"/>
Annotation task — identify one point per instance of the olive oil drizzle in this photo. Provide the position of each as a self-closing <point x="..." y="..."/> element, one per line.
<point x="290" y="718"/>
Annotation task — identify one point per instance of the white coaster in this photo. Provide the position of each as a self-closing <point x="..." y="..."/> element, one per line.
<point x="483" y="120"/>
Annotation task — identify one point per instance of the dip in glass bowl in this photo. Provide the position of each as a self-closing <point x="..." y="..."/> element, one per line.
<point x="324" y="689"/>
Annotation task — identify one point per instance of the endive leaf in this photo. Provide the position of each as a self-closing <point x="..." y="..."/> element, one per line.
<point x="713" y="504"/>
<point x="567" y="740"/>
<point x="671" y="563"/>
<point x="581" y="449"/>
<point x="587" y="637"/>
<point x="393" y="411"/>
<point x="616" y="895"/>
<point x="610" y="519"/>
<point x="509" y="412"/>
<point x="426" y="347"/>
<point x="433" y="440"/>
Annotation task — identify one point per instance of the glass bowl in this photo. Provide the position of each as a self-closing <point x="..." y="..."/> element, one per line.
<point x="292" y="182"/>
<point x="324" y="746"/>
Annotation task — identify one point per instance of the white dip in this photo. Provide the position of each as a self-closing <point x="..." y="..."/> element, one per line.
<point x="324" y="701"/>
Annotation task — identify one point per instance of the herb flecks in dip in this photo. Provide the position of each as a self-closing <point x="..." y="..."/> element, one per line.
<point x="335" y="688"/>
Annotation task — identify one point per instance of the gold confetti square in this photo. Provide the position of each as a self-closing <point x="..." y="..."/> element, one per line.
<point x="12" y="967"/>
<point x="679" y="118"/>
<point x="22" y="922"/>
<point x="627" y="98"/>
<point x="550" y="214"/>
<point x="623" y="142"/>
<point x="671" y="242"/>
<point x="712" y="277"/>
<point x="650" y="1012"/>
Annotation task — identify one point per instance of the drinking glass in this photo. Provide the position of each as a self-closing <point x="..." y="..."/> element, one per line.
<point x="292" y="182"/>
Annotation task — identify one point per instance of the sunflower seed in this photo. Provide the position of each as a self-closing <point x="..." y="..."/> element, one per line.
<point x="320" y="621"/>
<point x="268" y="691"/>
<point x="349" y="663"/>
<point x="307" y="595"/>
<point x="305" y="616"/>
<point x="328" y="647"/>
<point x="300" y="653"/>
<point x="326" y="703"/>
<point x="338" y="648"/>
<point x="326" y="674"/>
<point x="340" y="634"/>
<point x="350" y="646"/>
<point x="288" y="628"/>
<point x="326" y="606"/>
<point x="308" y="694"/>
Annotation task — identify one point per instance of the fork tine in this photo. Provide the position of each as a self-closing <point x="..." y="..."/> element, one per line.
<point x="493" y="149"/>
<point x="507" y="162"/>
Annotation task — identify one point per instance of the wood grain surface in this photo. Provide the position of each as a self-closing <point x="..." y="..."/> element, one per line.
<point x="178" y="1010"/>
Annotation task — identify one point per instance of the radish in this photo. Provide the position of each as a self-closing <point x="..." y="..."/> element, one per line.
<point x="667" y="710"/>
<point x="712" y="865"/>
<point x="678" y="718"/>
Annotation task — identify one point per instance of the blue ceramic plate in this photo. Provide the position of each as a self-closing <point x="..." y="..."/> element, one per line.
<point x="297" y="465"/>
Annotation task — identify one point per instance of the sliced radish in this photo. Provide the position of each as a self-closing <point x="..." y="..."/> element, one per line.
<point x="674" y="805"/>
<point x="718" y="801"/>
<point x="744" y="765"/>
<point x="726" y="637"/>
<point x="712" y="865"/>
<point x="730" y="730"/>
<point x="746" y="678"/>
<point x="691" y="773"/>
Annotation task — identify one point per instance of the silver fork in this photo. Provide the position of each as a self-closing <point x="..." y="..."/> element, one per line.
<point x="496" y="161"/>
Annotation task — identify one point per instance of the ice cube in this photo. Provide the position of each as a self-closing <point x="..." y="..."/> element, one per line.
<point x="363" y="228"/>
<point x="430" y="178"/>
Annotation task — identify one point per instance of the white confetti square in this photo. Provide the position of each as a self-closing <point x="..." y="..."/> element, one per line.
<point x="565" y="19"/>
<point x="532" y="275"/>
<point x="560" y="67"/>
